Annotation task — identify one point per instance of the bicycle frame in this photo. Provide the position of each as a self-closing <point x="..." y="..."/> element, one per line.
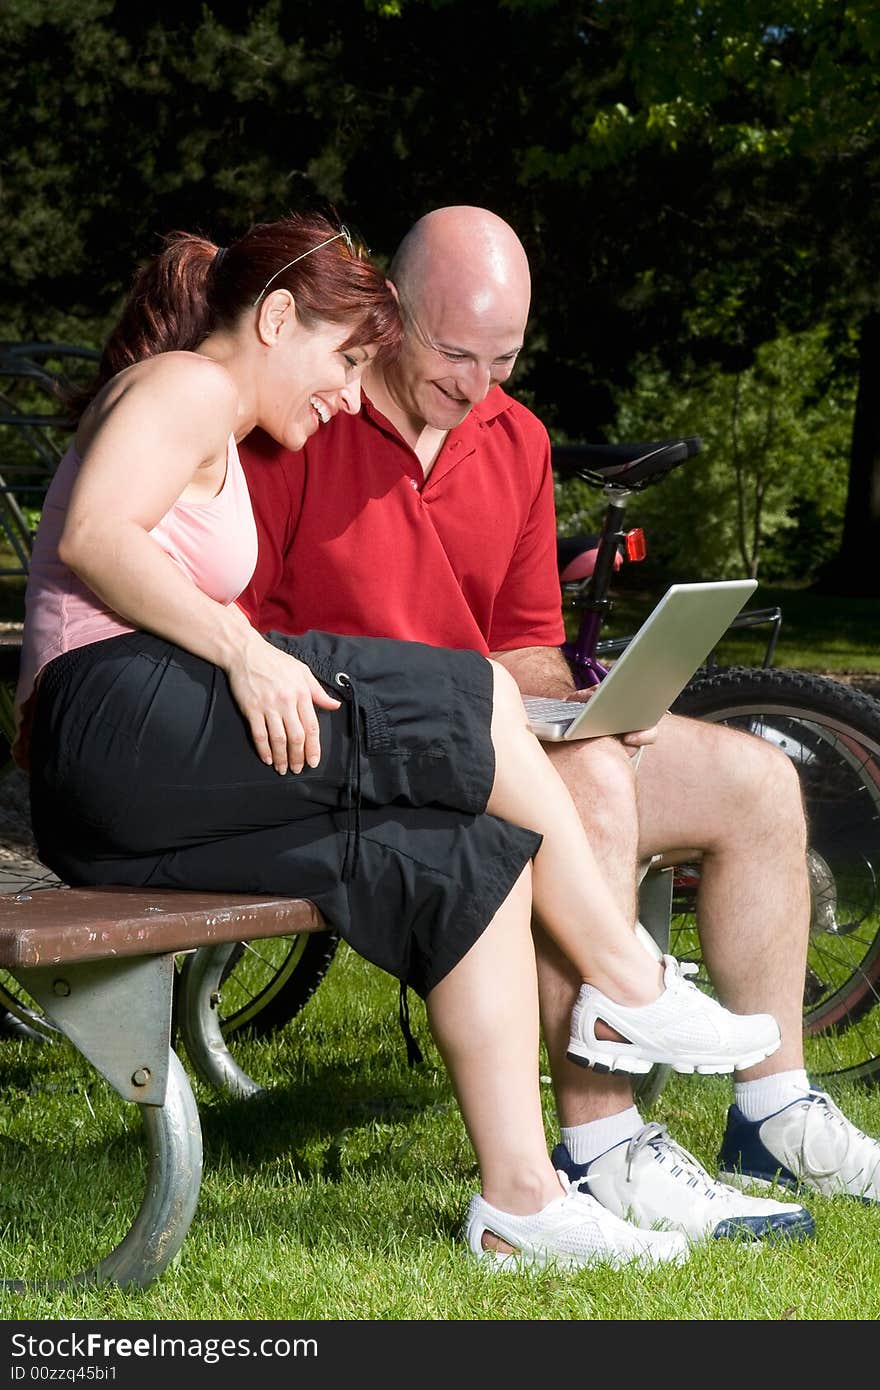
<point x="592" y="595"/>
<point x="582" y="653"/>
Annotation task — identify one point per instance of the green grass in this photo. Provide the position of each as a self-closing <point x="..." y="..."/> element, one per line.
<point x="340" y="1193"/>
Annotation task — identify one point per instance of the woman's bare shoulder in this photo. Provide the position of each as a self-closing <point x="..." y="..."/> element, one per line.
<point x="174" y="373"/>
<point x="180" y="389"/>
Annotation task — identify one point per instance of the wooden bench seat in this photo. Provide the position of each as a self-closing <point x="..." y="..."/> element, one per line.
<point x="100" y="964"/>
<point x="51" y="926"/>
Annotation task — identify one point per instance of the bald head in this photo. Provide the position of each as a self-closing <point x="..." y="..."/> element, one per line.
<point x="463" y="281"/>
<point x="466" y="258"/>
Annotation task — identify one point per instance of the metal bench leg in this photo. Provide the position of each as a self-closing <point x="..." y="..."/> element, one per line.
<point x="655" y="912"/>
<point x="199" y="1022"/>
<point x="118" y="1015"/>
<point x="655" y="905"/>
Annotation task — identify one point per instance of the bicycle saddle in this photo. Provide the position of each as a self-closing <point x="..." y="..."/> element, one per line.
<point x="626" y="464"/>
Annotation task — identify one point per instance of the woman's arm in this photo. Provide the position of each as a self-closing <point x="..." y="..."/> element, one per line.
<point x="166" y="430"/>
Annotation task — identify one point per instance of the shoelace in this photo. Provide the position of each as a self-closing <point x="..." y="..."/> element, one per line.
<point x="822" y="1104"/>
<point x="574" y="1195"/>
<point x="657" y="1137"/>
<point x="678" y="970"/>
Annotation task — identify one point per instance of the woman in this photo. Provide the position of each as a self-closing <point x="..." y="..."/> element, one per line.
<point x="395" y="785"/>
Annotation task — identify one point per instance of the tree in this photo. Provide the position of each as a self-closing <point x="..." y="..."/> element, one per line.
<point x="774" y="120"/>
<point x="658" y="157"/>
<point x="766" y="495"/>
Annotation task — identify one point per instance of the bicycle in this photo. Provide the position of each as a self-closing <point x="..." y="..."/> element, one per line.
<point x="831" y="733"/>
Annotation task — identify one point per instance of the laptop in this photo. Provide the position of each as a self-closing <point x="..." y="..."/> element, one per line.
<point x="654" y="668"/>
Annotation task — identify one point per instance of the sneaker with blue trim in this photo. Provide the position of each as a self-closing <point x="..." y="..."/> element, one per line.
<point x="809" y="1143"/>
<point x="653" y="1182"/>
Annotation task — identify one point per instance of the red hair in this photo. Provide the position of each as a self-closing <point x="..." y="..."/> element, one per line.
<point x="188" y="290"/>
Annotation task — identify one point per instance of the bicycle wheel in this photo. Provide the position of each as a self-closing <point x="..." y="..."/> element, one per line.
<point x="20" y="1018"/>
<point x="832" y="735"/>
<point x="266" y="983"/>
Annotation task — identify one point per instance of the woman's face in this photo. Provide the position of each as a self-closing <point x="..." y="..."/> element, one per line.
<point x="309" y="377"/>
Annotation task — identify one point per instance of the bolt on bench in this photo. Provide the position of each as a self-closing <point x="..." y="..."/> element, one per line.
<point x="101" y="965"/>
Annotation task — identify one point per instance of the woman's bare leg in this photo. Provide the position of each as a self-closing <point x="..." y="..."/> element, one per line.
<point x="484" y="1018"/>
<point x="571" y="896"/>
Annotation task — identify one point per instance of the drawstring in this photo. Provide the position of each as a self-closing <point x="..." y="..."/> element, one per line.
<point x="352" y="784"/>
<point x="413" y="1051"/>
<point x="353" y="846"/>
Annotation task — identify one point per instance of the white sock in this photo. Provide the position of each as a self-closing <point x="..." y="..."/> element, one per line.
<point x="586" y="1142"/>
<point x="758" y="1099"/>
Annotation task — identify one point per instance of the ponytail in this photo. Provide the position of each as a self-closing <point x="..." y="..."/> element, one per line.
<point x="168" y="309"/>
<point x="192" y="288"/>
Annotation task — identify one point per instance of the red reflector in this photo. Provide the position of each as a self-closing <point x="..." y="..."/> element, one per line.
<point x="636" y="549"/>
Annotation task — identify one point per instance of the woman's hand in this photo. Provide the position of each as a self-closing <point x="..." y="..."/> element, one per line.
<point x="277" y="695"/>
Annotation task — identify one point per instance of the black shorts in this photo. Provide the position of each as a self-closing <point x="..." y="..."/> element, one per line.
<point x="144" y="773"/>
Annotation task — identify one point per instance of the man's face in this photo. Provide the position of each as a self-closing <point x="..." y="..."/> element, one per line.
<point x="455" y="349"/>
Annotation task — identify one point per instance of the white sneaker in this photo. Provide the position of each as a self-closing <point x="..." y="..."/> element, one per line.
<point x="808" y="1143"/>
<point x="684" y="1029"/>
<point x="574" y="1231"/>
<point x="656" y="1184"/>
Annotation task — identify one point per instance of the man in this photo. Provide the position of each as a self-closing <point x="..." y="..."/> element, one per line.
<point x="429" y="516"/>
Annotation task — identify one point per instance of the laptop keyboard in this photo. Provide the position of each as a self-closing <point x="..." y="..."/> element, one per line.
<point x="540" y="707"/>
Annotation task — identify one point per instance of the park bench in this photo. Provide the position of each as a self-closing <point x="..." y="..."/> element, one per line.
<point x="100" y="963"/>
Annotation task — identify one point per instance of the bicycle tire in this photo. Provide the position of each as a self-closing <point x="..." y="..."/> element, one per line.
<point x="267" y="983"/>
<point x="21" y="1019"/>
<point x="10" y="656"/>
<point x="832" y="735"/>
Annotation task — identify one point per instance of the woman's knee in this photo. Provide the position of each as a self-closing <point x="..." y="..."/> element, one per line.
<point x="506" y="696"/>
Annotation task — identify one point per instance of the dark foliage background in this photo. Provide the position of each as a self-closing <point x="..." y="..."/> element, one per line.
<point x="692" y="182"/>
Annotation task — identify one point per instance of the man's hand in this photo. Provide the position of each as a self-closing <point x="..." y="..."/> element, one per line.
<point x="640" y="738"/>
<point x="544" y="671"/>
<point x="636" y="739"/>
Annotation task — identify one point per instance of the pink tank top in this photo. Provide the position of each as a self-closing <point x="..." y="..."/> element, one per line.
<point x="214" y="543"/>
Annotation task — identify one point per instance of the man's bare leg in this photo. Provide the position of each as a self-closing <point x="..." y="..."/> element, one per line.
<point x="737" y="800"/>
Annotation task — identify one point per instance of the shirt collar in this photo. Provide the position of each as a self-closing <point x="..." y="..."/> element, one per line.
<point x="496" y="403"/>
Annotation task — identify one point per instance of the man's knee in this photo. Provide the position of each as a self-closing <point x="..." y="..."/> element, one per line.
<point x="778" y="788"/>
<point x="760" y="782"/>
<point x="601" y="780"/>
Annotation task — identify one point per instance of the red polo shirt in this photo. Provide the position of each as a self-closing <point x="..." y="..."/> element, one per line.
<point x="353" y="539"/>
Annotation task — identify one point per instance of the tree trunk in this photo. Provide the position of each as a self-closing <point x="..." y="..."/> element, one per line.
<point x="855" y="569"/>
